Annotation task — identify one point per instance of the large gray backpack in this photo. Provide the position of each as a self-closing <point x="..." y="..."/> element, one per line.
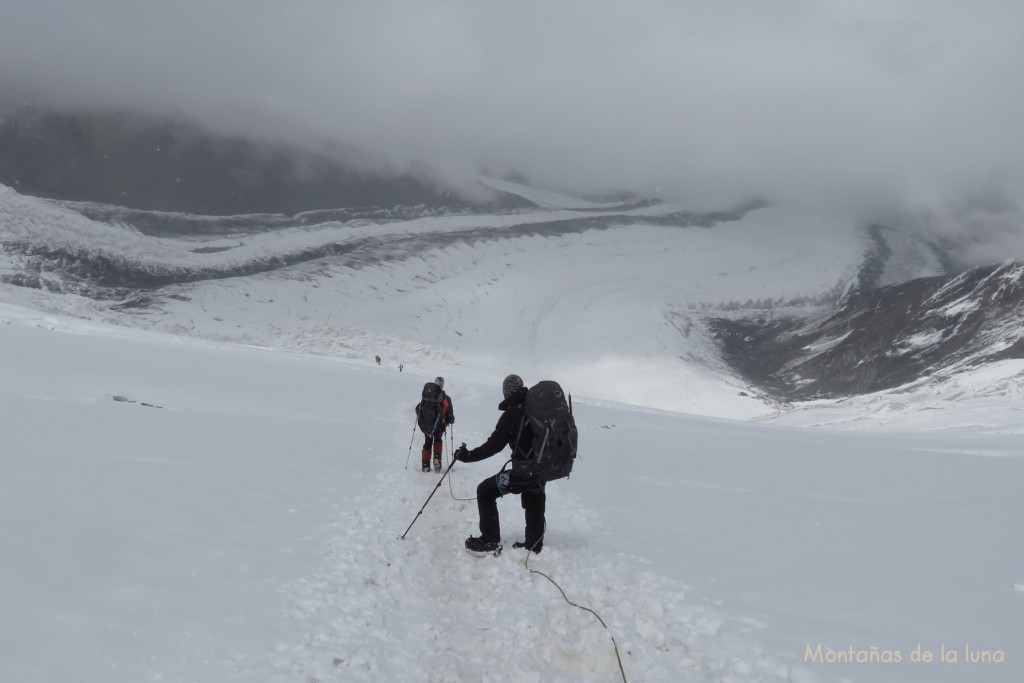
<point x="429" y="412"/>
<point x="554" y="436"/>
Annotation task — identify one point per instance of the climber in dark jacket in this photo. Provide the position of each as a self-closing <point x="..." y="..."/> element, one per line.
<point x="434" y="418"/>
<point x="511" y="431"/>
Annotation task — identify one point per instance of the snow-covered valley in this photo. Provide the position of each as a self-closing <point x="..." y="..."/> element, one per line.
<point x="209" y="484"/>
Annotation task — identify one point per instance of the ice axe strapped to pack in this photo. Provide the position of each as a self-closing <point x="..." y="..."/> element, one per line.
<point x="549" y="417"/>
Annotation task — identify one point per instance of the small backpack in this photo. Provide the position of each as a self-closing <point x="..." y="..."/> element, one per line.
<point x="554" y="433"/>
<point x="430" y="411"/>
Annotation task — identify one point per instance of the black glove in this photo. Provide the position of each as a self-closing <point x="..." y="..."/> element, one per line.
<point x="461" y="452"/>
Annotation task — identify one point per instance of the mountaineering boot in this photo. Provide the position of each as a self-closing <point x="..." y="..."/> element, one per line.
<point x="426" y="467"/>
<point x="477" y="545"/>
<point x="438" y="449"/>
<point x="535" y="547"/>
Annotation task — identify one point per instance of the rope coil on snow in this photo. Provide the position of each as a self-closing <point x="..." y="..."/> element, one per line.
<point x="526" y="563"/>
<point x="451" y="441"/>
<point x="452" y="492"/>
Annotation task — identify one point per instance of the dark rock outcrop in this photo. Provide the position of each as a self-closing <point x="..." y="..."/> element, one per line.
<point x="883" y="338"/>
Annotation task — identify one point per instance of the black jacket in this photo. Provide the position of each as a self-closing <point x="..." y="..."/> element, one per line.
<point x="511" y="426"/>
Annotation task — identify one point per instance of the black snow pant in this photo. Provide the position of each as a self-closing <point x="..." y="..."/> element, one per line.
<point x="532" y="497"/>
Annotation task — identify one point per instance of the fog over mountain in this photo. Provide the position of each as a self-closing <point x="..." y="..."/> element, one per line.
<point x="900" y="112"/>
<point x="164" y="164"/>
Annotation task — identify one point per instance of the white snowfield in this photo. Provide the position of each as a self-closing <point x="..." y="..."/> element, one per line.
<point x="181" y="510"/>
<point x="214" y="489"/>
<point x="612" y="312"/>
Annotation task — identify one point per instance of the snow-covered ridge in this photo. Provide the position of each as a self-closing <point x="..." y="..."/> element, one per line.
<point x="174" y="223"/>
<point x="545" y="198"/>
<point x="58" y="237"/>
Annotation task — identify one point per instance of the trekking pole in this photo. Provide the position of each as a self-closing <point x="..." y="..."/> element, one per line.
<point x="411" y="439"/>
<point x="402" y="537"/>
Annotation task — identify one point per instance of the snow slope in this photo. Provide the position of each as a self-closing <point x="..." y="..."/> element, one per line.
<point x="545" y="199"/>
<point x="213" y="488"/>
<point x="187" y="510"/>
<point x="613" y="307"/>
<point x="604" y="309"/>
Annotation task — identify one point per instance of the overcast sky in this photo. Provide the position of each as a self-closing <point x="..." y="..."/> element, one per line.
<point x="884" y="106"/>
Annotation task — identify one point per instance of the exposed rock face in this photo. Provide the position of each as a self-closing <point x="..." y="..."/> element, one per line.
<point x="884" y="338"/>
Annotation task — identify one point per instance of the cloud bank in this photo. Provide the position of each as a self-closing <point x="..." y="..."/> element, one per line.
<point x="907" y="109"/>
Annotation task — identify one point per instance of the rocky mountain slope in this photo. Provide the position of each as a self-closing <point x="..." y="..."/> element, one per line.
<point x="883" y="338"/>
